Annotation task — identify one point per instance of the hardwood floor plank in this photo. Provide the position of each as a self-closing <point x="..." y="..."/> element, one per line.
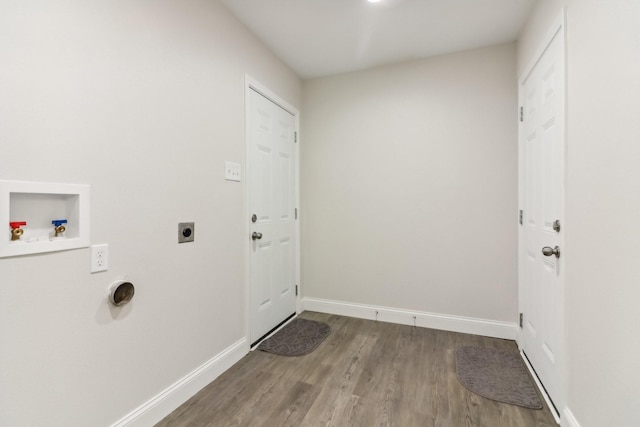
<point x="293" y="407"/>
<point x="332" y="403"/>
<point x="366" y="373"/>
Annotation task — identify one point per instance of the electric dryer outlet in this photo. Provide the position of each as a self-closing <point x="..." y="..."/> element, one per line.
<point x="186" y="232"/>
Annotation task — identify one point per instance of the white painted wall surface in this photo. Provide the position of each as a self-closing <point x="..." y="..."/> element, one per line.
<point x="144" y="101"/>
<point x="602" y="206"/>
<point x="409" y="185"/>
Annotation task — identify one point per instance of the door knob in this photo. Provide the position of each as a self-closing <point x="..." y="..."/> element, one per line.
<point x="547" y="251"/>
<point x="256" y="235"/>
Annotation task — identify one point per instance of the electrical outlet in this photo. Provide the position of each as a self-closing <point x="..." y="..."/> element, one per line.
<point x="99" y="258"/>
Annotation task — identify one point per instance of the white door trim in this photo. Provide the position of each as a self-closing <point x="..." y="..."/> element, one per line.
<point x="252" y="84"/>
<point x="558" y="28"/>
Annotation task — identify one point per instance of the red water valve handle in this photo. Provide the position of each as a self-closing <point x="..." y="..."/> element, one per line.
<point x="17" y="224"/>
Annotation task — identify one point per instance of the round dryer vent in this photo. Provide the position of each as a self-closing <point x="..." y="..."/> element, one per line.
<point x="121" y="292"/>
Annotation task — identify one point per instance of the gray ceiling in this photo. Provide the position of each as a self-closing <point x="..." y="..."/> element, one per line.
<point x="323" y="37"/>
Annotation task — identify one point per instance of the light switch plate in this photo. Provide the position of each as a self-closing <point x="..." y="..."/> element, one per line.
<point x="232" y="171"/>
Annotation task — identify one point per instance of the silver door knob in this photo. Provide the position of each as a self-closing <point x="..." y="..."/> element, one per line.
<point x="256" y="235"/>
<point x="547" y="251"/>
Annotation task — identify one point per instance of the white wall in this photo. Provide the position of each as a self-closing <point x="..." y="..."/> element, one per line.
<point x="602" y="206"/>
<point x="409" y="185"/>
<point x="144" y="101"/>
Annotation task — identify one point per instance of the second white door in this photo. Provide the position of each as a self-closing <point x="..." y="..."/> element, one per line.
<point x="271" y="175"/>
<point x="542" y="217"/>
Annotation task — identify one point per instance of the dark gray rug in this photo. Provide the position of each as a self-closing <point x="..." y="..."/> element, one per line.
<point x="297" y="338"/>
<point x="497" y="375"/>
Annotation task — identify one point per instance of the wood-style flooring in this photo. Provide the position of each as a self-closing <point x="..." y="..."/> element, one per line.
<point x="365" y="373"/>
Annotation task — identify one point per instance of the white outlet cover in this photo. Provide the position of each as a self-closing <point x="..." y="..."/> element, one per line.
<point x="231" y="171"/>
<point x="99" y="258"/>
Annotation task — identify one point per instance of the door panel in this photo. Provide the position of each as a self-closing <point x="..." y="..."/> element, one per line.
<point x="271" y="196"/>
<point x="542" y="284"/>
<point x="262" y="262"/>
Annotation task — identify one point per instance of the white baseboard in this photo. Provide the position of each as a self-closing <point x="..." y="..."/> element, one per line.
<point x="166" y="401"/>
<point x="467" y="325"/>
<point x="568" y="420"/>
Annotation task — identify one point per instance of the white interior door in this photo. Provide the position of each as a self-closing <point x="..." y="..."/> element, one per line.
<point x="542" y="136"/>
<point x="271" y="174"/>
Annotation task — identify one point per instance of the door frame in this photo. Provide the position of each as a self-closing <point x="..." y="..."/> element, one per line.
<point x="558" y="28"/>
<point x="251" y="84"/>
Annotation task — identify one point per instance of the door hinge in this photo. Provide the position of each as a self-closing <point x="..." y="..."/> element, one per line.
<point x="295" y="137"/>
<point x="522" y="114"/>
<point x="296" y="213"/>
<point x="521" y="319"/>
<point x="296" y="290"/>
<point x="521" y="215"/>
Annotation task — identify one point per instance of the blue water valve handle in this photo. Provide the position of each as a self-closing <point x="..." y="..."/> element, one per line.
<point x="58" y="222"/>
